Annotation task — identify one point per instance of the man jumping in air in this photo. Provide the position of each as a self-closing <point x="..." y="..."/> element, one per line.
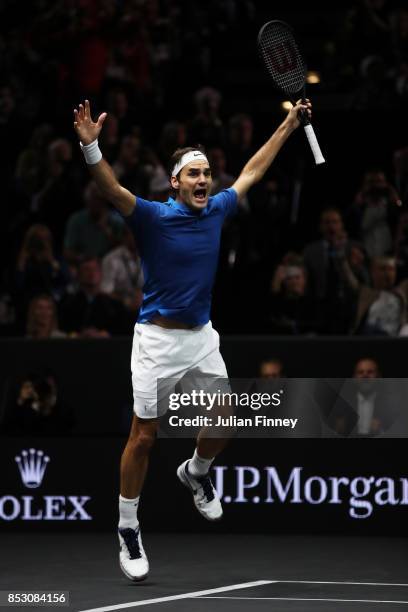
<point x="179" y="243"/>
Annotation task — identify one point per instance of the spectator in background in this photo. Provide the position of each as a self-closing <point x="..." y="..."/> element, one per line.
<point x="156" y="175"/>
<point x="324" y="264"/>
<point x="122" y="276"/>
<point x="42" y="320"/>
<point x="240" y="145"/>
<point x="117" y="104"/>
<point x="38" y="268"/>
<point x="61" y="192"/>
<point x="173" y="136"/>
<point x="109" y="139"/>
<point x="90" y="313"/>
<point x="271" y="368"/>
<point x="218" y="163"/>
<point x="291" y="309"/>
<point x="93" y="231"/>
<point x="159" y="186"/>
<point x="374" y="214"/>
<point x="367" y="30"/>
<point x="31" y="165"/>
<point x="382" y="308"/>
<point x="375" y="89"/>
<point x="206" y="127"/>
<point x="128" y="167"/>
<point x="37" y="409"/>
<point x="367" y="406"/>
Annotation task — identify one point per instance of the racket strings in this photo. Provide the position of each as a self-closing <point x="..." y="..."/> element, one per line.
<point x="282" y="58"/>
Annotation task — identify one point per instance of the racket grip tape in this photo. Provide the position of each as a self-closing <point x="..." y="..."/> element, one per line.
<point x="314" y="145"/>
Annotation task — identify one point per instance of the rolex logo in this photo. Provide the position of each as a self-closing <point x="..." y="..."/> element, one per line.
<point x="32" y="465"/>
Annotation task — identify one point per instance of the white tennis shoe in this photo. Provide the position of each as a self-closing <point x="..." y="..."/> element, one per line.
<point x="205" y="496"/>
<point x="132" y="557"/>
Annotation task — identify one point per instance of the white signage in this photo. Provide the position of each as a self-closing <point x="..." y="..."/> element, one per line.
<point x="32" y="465"/>
<point x="361" y="495"/>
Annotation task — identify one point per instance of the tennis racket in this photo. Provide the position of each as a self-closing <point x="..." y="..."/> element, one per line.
<point x="286" y="66"/>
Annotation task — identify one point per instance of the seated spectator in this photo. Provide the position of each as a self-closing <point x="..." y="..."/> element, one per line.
<point x="128" y="166"/>
<point x="366" y="407"/>
<point x="323" y="261"/>
<point x="271" y="368"/>
<point x="90" y="312"/>
<point x="122" y="276"/>
<point x="240" y="147"/>
<point x="109" y="138"/>
<point x="42" y="320"/>
<point x="374" y="90"/>
<point x="38" y="269"/>
<point x="374" y="214"/>
<point x="291" y="309"/>
<point x="37" y="409"/>
<point x="382" y="308"/>
<point x="173" y="136"/>
<point x="61" y="191"/>
<point x="206" y="127"/>
<point x="221" y="179"/>
<point x="31" y="164"/>
<point x="159" y="186"/>
<point x="93" y="231"/>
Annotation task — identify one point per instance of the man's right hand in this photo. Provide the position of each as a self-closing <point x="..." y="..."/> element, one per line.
<point x="87" y="130"/>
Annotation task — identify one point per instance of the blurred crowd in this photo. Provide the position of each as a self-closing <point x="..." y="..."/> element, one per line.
<point x="70" y="266"/>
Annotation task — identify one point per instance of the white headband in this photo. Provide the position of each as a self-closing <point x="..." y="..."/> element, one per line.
<point x="186" y="159"/>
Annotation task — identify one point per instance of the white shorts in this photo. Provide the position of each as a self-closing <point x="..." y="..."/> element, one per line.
<point x="185" y="355"/>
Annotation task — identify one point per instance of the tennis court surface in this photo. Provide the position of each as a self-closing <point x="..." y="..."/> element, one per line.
<point x="220" y="573"/>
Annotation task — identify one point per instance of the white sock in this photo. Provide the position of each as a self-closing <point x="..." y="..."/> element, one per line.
<point x="197" y="466"/>
<point x="128" y="513"/>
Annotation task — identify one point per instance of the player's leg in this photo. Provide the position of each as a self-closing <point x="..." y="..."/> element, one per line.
<point x="133" y="468"/>
<point x="194" y="472"/>
<point x="135" y="457"/>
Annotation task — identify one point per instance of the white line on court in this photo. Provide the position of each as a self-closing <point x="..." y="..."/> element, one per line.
<point x="146" y="602"/>
<point x="371" y="601"/>
<point x="390" y="584"/>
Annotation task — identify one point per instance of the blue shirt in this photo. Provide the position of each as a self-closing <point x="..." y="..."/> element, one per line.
<point x="179" y="249"/>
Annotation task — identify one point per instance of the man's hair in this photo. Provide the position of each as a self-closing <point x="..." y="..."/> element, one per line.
<point x="178" y="154"/>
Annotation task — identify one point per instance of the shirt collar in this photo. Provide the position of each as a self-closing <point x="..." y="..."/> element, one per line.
<point x="184" y="208"/>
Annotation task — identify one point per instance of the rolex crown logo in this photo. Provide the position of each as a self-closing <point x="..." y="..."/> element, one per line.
<point x="32" y="465"/>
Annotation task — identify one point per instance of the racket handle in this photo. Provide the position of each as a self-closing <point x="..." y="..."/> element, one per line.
<point x="314" y="145"/>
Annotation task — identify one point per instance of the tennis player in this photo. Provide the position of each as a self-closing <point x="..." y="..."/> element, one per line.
<point x="173" y="338"/>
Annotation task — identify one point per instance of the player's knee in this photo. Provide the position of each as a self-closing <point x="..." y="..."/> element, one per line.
<point x="142" y="443"/>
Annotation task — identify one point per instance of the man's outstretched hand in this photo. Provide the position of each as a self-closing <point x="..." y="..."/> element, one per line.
<point x="87" y="130"/>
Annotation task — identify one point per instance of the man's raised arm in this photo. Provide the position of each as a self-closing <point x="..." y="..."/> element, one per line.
<point x="259" y="163"/>
<point x="88" y="133"/>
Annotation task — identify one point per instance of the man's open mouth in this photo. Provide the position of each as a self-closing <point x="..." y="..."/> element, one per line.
<point x="200" y="194"/>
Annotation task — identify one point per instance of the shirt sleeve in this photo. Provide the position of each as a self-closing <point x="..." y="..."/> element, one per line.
<point x="144" y="213"/>
<point x="227" y="201"/>
<point x="144" y="222"/>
